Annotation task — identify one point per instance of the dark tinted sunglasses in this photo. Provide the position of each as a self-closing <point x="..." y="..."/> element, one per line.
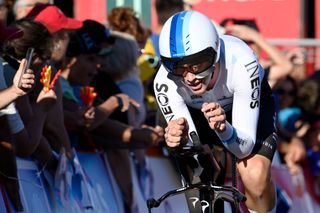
<point x="172" y="64"/>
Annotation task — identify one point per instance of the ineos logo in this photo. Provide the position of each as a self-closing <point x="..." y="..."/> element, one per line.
<point x="255" y="94"/>
<point x="204" y="204"/>
<point x="253" y="70"/>
<point x="162" y="99"/>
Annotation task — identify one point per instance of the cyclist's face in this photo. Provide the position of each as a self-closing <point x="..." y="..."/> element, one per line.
<point x="196" y="76"/>
<point x="194" y="69"/>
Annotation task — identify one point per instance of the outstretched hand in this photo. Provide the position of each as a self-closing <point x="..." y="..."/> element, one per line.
<point x="295" y="154"/>
<point x="244" y="32"/>
<point x="46" y="99"/>
<point x="124" y="102"/>
<point x="176" y="132"/>
<point x="156" y="134"/>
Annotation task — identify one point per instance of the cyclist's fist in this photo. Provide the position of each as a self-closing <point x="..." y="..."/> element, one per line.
<point x="176" y="132"/>
<point x="215" y="115"/>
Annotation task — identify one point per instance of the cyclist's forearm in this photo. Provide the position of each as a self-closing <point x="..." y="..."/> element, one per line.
<point x="236" y="142"/>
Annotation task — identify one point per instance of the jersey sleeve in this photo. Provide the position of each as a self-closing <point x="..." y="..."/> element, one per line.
<point x="170" y="102"/>
<point x="13" y="117"/>
<point x="240" y="137"/>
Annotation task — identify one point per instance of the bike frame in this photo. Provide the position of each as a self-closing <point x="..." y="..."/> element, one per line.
<point x="207" y="187"/>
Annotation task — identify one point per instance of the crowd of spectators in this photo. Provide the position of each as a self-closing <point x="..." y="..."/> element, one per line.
<point x="85" y="90"/>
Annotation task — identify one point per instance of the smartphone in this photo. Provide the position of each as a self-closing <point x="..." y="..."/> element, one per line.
<point x="29" y="59"/>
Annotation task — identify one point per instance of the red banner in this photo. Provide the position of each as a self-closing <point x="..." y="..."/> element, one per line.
<point x="275" y="18"/>
<point x="91" y="9"/>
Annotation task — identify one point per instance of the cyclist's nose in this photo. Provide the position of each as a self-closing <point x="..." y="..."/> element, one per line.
<point x="189" y="76"/>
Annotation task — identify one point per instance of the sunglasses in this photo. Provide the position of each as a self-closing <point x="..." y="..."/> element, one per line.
<point x="176" y="65"/>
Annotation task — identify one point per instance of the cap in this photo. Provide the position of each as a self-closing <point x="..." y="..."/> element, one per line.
<point x="82" y="43"/>
<point x="9" y="33"/>
<point x="53" y="18"/>
<point x="288" y="117"/>
<point x="88" y="39"/>
<point x="98" y="31"/>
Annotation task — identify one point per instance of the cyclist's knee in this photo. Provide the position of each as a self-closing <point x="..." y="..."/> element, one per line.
<point x="255" y="174"/>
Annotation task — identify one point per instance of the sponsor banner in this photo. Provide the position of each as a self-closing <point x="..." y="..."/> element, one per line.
<point x="99" y="183"/>
<point x="32" y="189"/>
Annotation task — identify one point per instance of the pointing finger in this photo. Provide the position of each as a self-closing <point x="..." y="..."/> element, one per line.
<point x="134" y="103"/>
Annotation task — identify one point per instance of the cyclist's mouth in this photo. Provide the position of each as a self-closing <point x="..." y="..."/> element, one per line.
<point x="196" y="86"/>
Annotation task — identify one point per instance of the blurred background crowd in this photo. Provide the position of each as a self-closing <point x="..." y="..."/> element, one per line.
<point x="89" y="88"/>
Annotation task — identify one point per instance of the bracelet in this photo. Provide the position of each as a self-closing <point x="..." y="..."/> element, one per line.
<point x="120" y="102"/>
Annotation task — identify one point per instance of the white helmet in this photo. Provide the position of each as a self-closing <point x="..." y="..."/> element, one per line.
<point x="188" y="37"/>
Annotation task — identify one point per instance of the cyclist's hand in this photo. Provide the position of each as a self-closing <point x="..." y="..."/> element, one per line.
<point x="215" y="115"/>
<point x="176" y="132"/>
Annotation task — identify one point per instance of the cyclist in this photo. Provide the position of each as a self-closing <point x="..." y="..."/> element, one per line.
<point x="216" y="84"/>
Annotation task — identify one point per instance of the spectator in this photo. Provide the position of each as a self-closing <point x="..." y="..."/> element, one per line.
<point x="104" y="85"/>
<point x="165" y="9"/>
<point x="24" y="135"/>
<point x="120" y="19"/>
<point x="34" y="35"/>
<point x="288" y="118"/>
<point x="10" y="94"/>
<point x="9" y="116"/>
<point x="286" y="91"/>
<point x="125" y="19"/>
<point x="58" y="25"/>
<point x="60" y="28"/>
<point x="300" y="121"/>
<point x="312" y="140"/>
<point x="83" y="58"/>
<point x="122" y="67"/>
<point x="297" y="56"/>
<point x="21" y="8"/>
<point x="3" y="11"/>
<point x="309" y="99"/>
<point x="77" y="74"/>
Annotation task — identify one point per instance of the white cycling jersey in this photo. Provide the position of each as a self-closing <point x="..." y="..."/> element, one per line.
<point x="237" y="88"/>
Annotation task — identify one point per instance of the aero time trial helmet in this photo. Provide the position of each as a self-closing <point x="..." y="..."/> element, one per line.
<point x="188" y="37"/>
